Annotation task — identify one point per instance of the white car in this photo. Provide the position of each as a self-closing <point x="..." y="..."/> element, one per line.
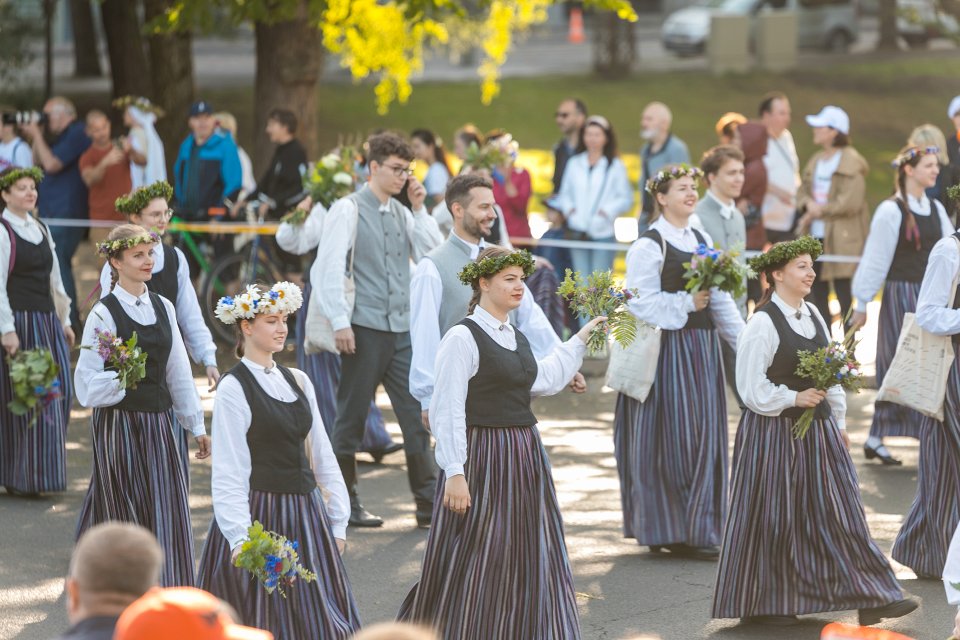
<point x="919" y="21"/>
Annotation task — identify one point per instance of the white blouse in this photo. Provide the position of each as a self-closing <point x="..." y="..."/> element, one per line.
<point x="458" y="360"/>
<point x="669" y="310"/>
<point x="882" y="245"/>
<point x="758" y="346"/>
<point x="98" y="388"/>
<point x="28" y="229"/>
<point x="299" y="239"/>
<point x="196" y="334"/>
<point x="935" y="311"/>
<point x="951" y="571"/>
<point x="230" y="481"/>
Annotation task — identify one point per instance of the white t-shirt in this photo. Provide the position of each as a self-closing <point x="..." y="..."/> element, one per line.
<point x="16" y="153"/>
<point x="783" y="171"/>
<point x="822" y="176"/>
<point x="435" y="182"/>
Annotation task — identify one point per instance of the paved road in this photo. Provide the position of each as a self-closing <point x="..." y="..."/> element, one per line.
<point x="625" y="592"/>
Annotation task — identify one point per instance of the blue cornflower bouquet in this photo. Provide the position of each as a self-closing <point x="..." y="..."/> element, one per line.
<point x="710" y="267"/>
<point x="272" y="559"/>
<point x="601" y="295"/>
<point x="828" y="366"/>
<point x="33" y="374"/>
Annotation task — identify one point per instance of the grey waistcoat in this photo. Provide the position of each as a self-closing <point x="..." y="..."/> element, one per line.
<point x="381" y="265"/>
<point x="726" y="234"/>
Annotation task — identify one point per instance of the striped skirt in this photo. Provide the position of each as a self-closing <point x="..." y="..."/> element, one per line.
<point x="671" y="450"/>
<point x="324" y="608"/>
<point x="543" y="285"/>
<point x="139" y="477"/>
<point x="891" y="419"/>
<point x="34" y="459"/>
<point x="797" y="540"/>
<point x="935" y="513"/>
<point x="323" y="369"/>
<point x="499" y="572"/>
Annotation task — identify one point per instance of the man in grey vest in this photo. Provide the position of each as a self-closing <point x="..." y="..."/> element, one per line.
<point x="717" y="214"/>
<point x="439" y="300"/>
<point x="374" y="337"/>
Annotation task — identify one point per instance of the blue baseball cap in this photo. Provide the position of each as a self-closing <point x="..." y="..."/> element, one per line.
<point x="201" y="107"/>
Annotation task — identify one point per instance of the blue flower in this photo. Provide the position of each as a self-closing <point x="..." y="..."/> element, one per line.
<point x="228" y="300"/>
<point x="827" y="359"/>
<point x="274" y="295"/>
<point x="38" y="390"/>
<point x="55" y="384"/>
<point x="839" y="376"/>
<point x="295" y="545"/>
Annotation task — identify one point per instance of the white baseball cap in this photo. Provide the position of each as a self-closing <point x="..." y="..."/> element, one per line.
<point x="954" y="107"/>
<point x="833" y="117"/>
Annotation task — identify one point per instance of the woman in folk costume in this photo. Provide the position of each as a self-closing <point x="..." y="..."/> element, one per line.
<point x="496" y="565"/>
<point x="147" y="160"/>
<point x="138" y="471"/>
<point x="902" y="233"/>
<point x="925" y="535"/>
<point x="34" y="314"/>
<point x="273" y="457"/>
<point x="796" y="541"/>
<point x="671" y="449"/>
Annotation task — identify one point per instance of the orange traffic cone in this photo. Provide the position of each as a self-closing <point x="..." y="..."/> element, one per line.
<point x="838" y="631"/>
<point x="576" y="25"/>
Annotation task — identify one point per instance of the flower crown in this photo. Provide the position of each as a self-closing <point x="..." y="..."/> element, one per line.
<point x="673" y="172"/>
<point x="492" y="265"/>
<point x="7" y="180"/>
<point x="783" y="252"/>
<point x="135" y="202"/>
<point x="110" y="248"/>
<point x="911" y="153"/>
<point x="283" y="297"/>
<point x="139" y="102"/>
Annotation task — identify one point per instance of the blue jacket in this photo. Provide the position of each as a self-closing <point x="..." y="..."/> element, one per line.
<point x="206" y="180"/>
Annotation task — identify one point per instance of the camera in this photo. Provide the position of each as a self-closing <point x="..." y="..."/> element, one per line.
<point x="20" y="118"/>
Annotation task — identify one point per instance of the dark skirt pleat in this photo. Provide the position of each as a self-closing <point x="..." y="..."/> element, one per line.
<point x="499" y="572"/>
<point x="925" y="536"/>
<point x="34" y="459"/>
<point x="139" y="477"/>
<point x="797" y="540"/>
<point x="671" y="450"/>
<point x="543" y="285"/>
<point x="891" y="419"/>
<point x="323" y="369"/>
<point x="323" y="609"/>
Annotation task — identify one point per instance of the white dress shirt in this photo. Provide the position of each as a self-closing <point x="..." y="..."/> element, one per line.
<point x="758" y="346"/>
<point x="783" y="171"/>
<point x="299" y="239"/>
<point x="951" y="571"/>
<point x="336" y="239"/>
<point x="196" y="334"/>
<point x="98" y="388"/>
<point x="458" y="360"/>
<point x="584" y="194"/>
<point x="935" y="311"/>
<point x="230" y="480"/>
<point x="669" y="310"/>
<point x="28" y="229"/>
<point x="426" y="296"/>
<point x="882" y="244"/>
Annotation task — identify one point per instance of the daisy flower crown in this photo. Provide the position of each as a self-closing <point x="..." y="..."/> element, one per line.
<point x="672" y="173"/>
<point x="283" y="297"/>
<point x="911" y="153"/>
<point x="783" y="252"/>
<point x="111" y="248"/>
<point x="139" y="102"/>
<point x="492" y="265"/>
<point x="10" y="178"/>
<point x="135" y="202"/>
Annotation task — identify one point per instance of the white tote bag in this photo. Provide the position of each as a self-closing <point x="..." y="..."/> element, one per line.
<point x="319" y="332"/>
<point x="917" y="376"/>
<point x="633" y="369"/>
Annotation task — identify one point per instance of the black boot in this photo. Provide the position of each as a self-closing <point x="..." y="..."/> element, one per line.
<point x="422" y="474"/>
<point x="359" y="517"/>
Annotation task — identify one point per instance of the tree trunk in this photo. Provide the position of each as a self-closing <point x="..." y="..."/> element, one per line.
<point x="614" y="45"/>
<point x="289" y="64"/>
<point x="888" y="26"/>
<point x="128" y="62"/>
<point x="171" y="58"/>
<point x="49" y="6"/>
<point x="86" y="57"/>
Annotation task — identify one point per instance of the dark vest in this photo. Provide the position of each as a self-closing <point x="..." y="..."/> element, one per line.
<point x="909" y="263"/>
<point x="164" y="282"/>
<point x="28" y="283"/>
<point x="784" y="366"/>
<point x="672" y="280"/>
<point x="277" y="434"/>
<point x="499" y="395"/>
<point x="151" y="394"/>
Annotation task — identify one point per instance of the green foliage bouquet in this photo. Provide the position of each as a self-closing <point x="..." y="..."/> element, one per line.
<point x="489" y="156"/>
<point x="33" y="374"/>
<point x="272" y="559"/>
<point x="828" y="366"/>
<point x="126" y="358"/>
<point x="710" y="267"/>
<point x="331" y="178"/>
<point x="601" y="295"/>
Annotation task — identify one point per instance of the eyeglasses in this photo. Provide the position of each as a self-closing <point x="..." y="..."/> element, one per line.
<point x="161" y="215"/>
<point x="400" y="171"/>
<point x="563" y="115"/>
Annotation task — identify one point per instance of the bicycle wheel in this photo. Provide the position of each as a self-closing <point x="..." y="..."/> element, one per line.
<point x="229" y="276"/>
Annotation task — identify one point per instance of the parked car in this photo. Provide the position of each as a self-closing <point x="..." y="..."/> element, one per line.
<point x="825" y="24"/>
<point x="919" y="21"/>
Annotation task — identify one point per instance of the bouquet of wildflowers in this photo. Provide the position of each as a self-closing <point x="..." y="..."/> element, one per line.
<point x="710" y="267"/>
<point x="33" y="374"/>
<point x="953" y="193"/>
<point x="329" y="179"/>
<point x="828" y="366"/>
<point x="126" y="358"/>
<point x="601" y="295"/>
<point x="489" y="156"/>
<point x="272" y="559"/>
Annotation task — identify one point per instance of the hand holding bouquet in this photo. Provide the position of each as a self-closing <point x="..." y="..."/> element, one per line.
<point x="828" y="366"/>
<point x="600" y="295"/>
<point x="272" y="559"/>
<point x="126" y="358"/>
<point x="330" y="179"/>
<point x="709" y="268"/>
<point x="33" y="374"/>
